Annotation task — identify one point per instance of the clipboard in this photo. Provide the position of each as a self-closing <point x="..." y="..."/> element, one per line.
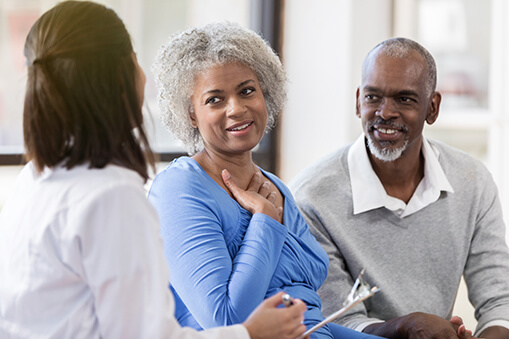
<point x="360" y="291"/>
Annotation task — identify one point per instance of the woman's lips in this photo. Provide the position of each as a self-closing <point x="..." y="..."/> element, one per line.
<point x="240" y="127"/>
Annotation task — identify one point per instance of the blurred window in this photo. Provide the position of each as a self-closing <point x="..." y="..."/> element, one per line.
<point x="457" y="33"/>
<point x="150" y="23"/>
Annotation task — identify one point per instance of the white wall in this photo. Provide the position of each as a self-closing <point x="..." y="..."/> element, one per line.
<point x="8" y="176"/>
<point x="324" y="44"/>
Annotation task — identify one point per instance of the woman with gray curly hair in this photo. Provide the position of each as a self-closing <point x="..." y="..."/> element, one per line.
<point x="232" y="232"/>
<point x="192" y="52"/>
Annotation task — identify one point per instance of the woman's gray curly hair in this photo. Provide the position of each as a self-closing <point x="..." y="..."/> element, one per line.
<point x="187" y="53"/>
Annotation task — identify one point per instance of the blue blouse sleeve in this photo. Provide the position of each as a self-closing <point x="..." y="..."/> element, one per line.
<point x="217" y="289"/>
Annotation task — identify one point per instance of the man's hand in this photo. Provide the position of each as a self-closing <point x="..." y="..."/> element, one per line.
<point x="419" y="326"/>
<point x="463" y="333"/>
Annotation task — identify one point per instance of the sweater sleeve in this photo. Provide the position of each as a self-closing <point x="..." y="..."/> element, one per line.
<point x="216" y="288"/>
<point x="487" y="266"/>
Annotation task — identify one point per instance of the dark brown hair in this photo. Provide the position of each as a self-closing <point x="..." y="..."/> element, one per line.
<point x="82" y="104"/>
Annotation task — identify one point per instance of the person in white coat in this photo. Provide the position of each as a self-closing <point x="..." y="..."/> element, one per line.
<point x="80" y="252"/>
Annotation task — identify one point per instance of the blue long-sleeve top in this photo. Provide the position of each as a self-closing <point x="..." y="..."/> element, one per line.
<point x="224" y="260"/>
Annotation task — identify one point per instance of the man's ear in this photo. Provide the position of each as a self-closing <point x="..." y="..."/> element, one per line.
<point x="434" y="108"/>
<point x="357" y="103"/>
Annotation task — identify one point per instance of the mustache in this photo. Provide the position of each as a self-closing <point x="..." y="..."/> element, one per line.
<point x="388" y="123"/>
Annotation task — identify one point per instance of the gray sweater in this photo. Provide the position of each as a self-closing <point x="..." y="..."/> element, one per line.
<point x="416" y="261"/>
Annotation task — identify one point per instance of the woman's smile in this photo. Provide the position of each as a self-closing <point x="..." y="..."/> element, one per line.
<point x="240" y="127"/>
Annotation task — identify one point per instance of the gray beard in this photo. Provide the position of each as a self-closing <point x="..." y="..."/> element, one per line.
<point x="385" y="154"/>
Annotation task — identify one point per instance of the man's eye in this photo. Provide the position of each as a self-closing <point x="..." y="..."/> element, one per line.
<point x="212" y="100"/>
<point x="370" y="97"/>
<point x="405" y="99"/>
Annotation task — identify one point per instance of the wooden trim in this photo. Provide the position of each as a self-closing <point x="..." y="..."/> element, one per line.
<point x="12" y="159"/>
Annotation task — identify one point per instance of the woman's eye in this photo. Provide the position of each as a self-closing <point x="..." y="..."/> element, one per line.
<point x="212" y="100"/>
<point x="247" y="91"/>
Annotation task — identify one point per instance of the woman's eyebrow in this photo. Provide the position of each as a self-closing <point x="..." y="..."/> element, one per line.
<point x="243" y="83"/>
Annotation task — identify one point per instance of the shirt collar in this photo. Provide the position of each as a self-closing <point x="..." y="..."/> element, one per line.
<point x="368" y="192"/>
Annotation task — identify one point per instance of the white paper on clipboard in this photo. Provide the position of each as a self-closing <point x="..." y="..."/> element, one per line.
<point x="359" y="292"/>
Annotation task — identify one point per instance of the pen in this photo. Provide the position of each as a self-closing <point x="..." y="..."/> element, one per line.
<point x="287" y="300"/>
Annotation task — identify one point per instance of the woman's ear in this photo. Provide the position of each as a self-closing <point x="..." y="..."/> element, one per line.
<point x="192" y="117"/>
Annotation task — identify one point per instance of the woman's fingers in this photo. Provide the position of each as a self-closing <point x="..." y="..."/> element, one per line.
<point x="255" y="183"/>
<point x="257" y="198"/>
<point x="272" y="197"/>
<point x="264" y="190"/>
<point x="227" y="179"/>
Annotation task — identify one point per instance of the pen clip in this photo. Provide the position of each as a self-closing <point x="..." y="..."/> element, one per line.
<point x="287" y="300"/>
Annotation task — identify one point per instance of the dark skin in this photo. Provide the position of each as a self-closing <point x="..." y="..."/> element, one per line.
<point x="394" y="91"/>
<point x="231" y="116"/>
<point x="393" y="104"/>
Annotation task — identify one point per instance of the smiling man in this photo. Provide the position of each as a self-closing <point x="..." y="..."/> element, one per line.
<point x="416" y="213"/>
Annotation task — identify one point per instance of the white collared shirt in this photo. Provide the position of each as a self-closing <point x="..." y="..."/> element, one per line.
<point x="368" y="192"/>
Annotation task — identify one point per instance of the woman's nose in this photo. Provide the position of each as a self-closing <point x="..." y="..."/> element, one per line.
<point x="235" y="107"/>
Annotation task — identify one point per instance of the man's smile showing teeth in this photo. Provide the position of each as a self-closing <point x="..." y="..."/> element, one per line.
<point x="241" y="127"/>
<point x="386" y="131"/>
